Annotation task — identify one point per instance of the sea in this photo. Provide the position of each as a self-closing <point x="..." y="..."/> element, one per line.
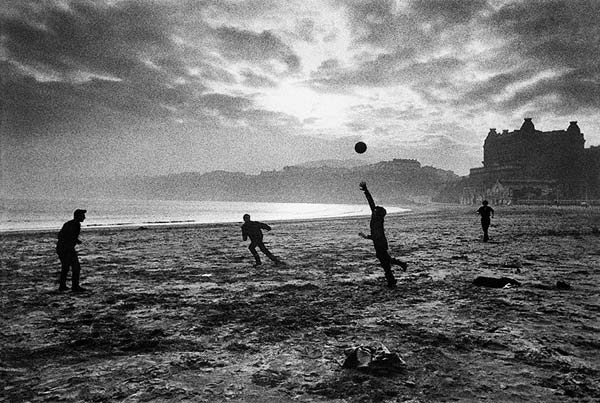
<point x="50" y="214"/>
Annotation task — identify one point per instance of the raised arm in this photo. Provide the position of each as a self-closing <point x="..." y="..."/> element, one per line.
<point x="363" y="187"/>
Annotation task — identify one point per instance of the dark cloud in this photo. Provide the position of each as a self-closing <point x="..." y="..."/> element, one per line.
<point x="233" y="10"/>
<point x="419" y="26"/>
<point x="227" y="105"/>
<point x="408" y="42"/>
<point x="92" y="62"/>
<point x="89" y="60"/>
<point x="485" y="91"/>
<point x="257" y="80"/>
<point x="550" y="51"/>
<point x="553" y="32"/>
<point x="390" y="69"/>
<point x="239" y="44"/>
<point x="96" y="39"/>
<point x="566" y="94"/>
<point x="448" y="12"/>
<point x="375" y="22"/>
<point x="34" y="107"/>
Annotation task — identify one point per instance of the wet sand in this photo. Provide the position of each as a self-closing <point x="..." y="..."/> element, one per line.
<point x="180" y="314"/>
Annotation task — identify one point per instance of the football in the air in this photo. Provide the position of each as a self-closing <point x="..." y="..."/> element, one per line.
<point x="360" y="147"/>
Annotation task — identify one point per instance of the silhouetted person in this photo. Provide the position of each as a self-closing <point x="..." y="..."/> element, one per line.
<point x="486" y="213"/>
<point x="68" y="237"/>
<point x="379" y="240"/>
<point x="253" y="230"/>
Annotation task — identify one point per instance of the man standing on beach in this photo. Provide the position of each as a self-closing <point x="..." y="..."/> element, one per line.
<point x="68" y="237"/>
<point x="485" y="212"/>
<point x="379" y="239"/>
<point x="253" y="230"/>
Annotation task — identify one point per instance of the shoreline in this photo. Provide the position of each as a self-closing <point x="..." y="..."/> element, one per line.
<point x="192" y="224"/>
<point x="409" y="210"/>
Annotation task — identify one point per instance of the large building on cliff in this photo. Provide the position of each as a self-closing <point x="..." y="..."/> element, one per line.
<point x="529" y="165"/>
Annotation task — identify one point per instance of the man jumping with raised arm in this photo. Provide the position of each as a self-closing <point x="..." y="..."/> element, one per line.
<point x="379" y="240"/>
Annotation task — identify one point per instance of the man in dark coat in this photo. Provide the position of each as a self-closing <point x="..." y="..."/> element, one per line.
<point x="68" y="237"/>
<point x="379" y="239"/>
<point x="485" y="212"/>
<point x="253" y="230"/>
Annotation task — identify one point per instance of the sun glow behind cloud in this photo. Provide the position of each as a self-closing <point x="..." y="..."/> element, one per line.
<point x="318" y="110"/>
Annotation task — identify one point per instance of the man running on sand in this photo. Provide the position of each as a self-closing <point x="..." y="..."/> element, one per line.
<point x="485" y="212"/>
<point x="253" y="230"/>
<point x="379" y="240"/>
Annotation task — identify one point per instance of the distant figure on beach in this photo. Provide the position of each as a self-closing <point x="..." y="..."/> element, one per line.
<point x="379" y="240"/>
<point x="68" y="237"/>
<point x="253" y="230"/>
<point x="486" y="213"/>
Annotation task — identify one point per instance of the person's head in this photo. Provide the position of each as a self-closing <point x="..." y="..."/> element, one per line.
<point x="485" y="202"/>
<point x="246" y="217"/>
<point x="79" y="215"/>
<point x="379" y="211"/>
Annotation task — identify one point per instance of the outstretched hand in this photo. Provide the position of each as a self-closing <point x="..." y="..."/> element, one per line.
<point x="363" y="186"/>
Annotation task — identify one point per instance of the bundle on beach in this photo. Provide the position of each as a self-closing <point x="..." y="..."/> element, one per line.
<point x="376" y="360"/>
<point x="495" y="282"/>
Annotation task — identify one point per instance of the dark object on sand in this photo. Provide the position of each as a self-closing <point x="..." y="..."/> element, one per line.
<point x="495" y="282"/>
<point x="562" y="285"/>
<point x="375" y="360"/>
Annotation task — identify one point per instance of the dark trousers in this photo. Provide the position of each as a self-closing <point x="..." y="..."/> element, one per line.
<point x="485" y="225"/>
<point x="68" y="260"/>
<point x="386" y="262"/>
<point x="263" y="248"/>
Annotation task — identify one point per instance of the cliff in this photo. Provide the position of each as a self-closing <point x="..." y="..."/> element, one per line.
<point x="397" y="181"/>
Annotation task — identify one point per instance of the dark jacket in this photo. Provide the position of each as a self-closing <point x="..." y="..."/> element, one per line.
<point x="252" y="230"/>
<point x="485" y="212"/>
<point x="68" y="237"/>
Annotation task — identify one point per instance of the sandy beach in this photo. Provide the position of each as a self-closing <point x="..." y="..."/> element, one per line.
<point x="179" y="313"/>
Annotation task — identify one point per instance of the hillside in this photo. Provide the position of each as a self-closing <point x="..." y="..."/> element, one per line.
<point x="397" y="181"/>
<point x="390" y="181"/>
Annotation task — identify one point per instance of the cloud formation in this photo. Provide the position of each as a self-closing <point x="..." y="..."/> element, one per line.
<point x="145" y="86"/>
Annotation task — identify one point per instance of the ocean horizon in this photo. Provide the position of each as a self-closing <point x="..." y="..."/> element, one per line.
<point x="24" y="214"/>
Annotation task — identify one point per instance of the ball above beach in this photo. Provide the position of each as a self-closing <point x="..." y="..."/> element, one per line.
<point x="360" y="147"/>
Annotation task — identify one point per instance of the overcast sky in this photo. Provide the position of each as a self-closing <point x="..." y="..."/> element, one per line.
<point x="151" y="87"/>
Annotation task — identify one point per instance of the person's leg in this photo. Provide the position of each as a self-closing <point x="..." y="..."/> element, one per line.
<point x="267" y="253"/>
<point x="64" y="270"/>
<point x="252" y="249"/>
<point x="386" y="264"/>
<point x="485" y="225"/>
<point x="76" y="269"/>
<point x="400" y="263"/>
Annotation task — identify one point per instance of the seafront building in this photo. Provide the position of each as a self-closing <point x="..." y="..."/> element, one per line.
<point x="532" y="166"/>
